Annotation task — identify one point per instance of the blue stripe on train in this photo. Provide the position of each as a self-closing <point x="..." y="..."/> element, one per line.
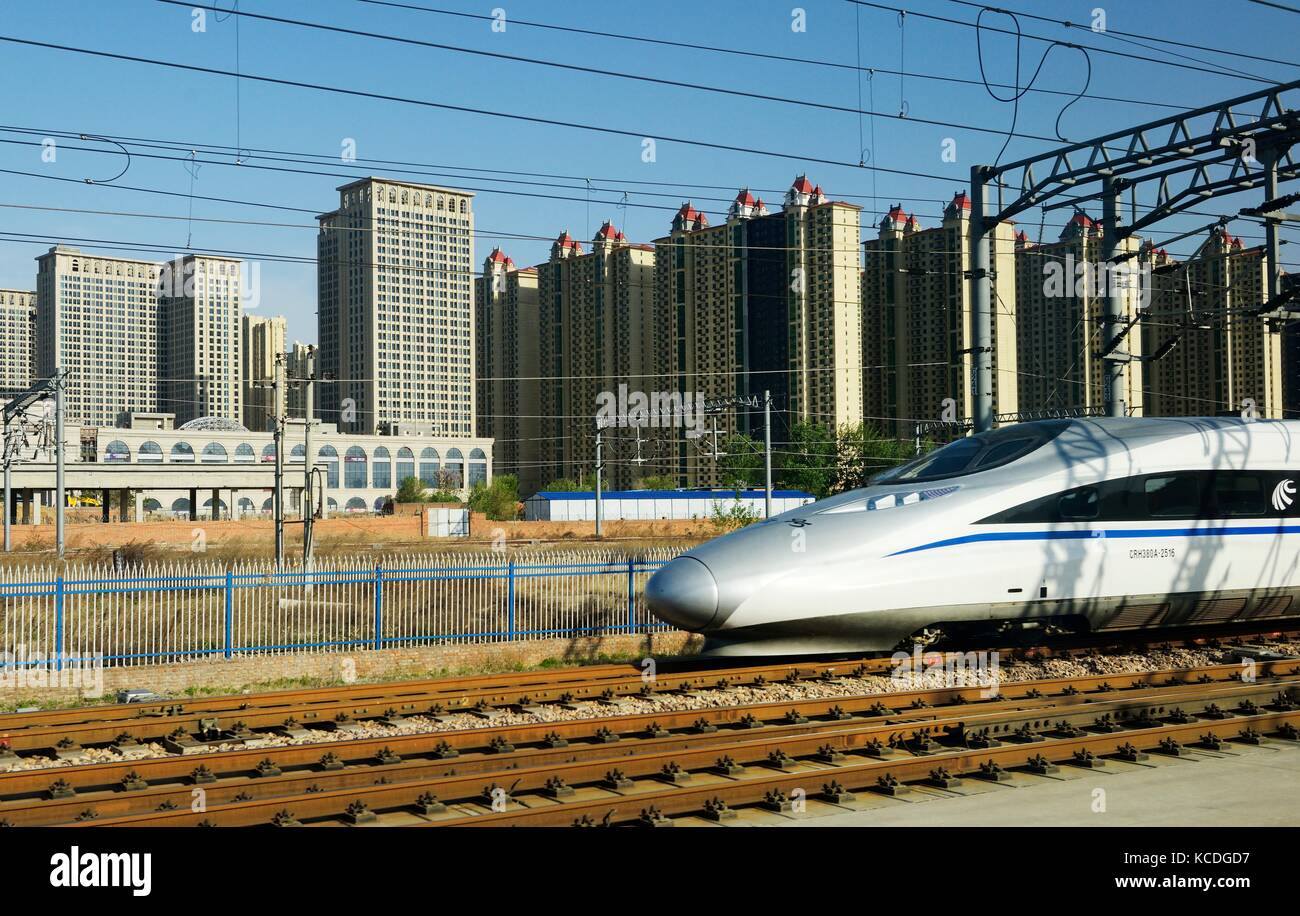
<point x="1102" y="533"/>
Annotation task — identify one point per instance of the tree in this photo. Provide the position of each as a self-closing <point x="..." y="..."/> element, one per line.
<point x="499" y="500"/>
<point x="742" y="463"/>
<point x="864" y="451"/>
<point x="809" y="461"/>
<point x="411" y="490"/>
<point x="568" y="485"/>
<point x="656" y="482"/>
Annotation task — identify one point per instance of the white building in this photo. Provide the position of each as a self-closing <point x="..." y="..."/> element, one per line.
<point x="360" y="472"/>
<point x="640" y="505"/>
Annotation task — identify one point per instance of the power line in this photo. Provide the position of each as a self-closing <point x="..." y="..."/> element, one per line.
<point x="1108" y="31"/>
<point x="1110" y="51"/>
<point x="463" y="109"/>
<point x="759" y="55"/>
<point x="608" y="73"/>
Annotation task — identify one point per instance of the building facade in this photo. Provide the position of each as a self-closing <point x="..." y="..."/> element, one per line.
<point x="17" y="341"/>
<point x="764" y="301"/>
<point x="917" y="328"/>
<point x="262" y="342"/>
<point x="596" y="332"/>
<point x="395" y="309"/>
<point x="1225" y="360"/>
<point x="1060" y="302"/>
<point x="507" y="345"/>
<point x="360" y="472"/>
<point x="200" y="331"/>
<point x="97" y="318"/>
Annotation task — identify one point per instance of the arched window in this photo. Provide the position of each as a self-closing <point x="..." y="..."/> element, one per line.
<point x="298" y="454"/>
<point x="429" y="467"/>
<point x="117" y="451"/>
<point x="268" y="452"/>
<point x="356" y="504"/>
<point x="405" y="464"/>
<point x="462" y="206"/>
<point x="244" y="453"/>
<point x="354" y="472"/>
<point x="382" y="474"/>
<point x="268" y="505"/>
<point x="149" y="453"/>
<point x="456" y="467"/>
<point x="477" y="467"/>
<point x="182" y="452"/>
<point x="214" y="453"/>
<point x="181" y="505"/>
<point x="245" y="505"/>
<point x="330" y="458"/>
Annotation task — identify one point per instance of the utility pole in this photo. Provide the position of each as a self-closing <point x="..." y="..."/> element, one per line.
<point x="9" y="486"/>
<point x="309" y="461"/>
<point x="277" y="386"/>
<point x="599" y="468"/>
<point x="767" y="452"/>
<point x="1113" y="363"/>
<point x="981" y="279"/>
<point x="59" y="380"/>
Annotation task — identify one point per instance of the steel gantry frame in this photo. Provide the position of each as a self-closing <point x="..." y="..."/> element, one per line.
<point x="1171" y="161"/>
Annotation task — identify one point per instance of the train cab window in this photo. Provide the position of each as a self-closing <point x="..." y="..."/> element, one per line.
<point x="981" y="452"/>
<point x="1172" y="496"/>
<point x="1238" y="494"/>
<point x="1079" y="505"/>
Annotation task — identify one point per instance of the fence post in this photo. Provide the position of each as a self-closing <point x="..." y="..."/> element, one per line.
<point x="379" y="606"/>
<point x="631" y="595"/>
<point x="230" y="612"/>
<point x="58" y="622"/>
<point x="510" y="600"/>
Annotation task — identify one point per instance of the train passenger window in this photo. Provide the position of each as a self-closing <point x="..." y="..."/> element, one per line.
<point x="1172" y="496"/>
<point x="1237" y="494"/>
<point x="1079" y="505"/>
<point x="981" y="452"/>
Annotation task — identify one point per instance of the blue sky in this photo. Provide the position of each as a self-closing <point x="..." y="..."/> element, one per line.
<point x="58" y="91"/>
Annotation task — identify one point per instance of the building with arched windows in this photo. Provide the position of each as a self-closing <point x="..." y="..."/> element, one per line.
<point x="358" y="473"/>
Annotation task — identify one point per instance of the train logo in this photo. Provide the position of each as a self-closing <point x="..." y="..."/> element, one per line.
<point x="1283" y="494"/>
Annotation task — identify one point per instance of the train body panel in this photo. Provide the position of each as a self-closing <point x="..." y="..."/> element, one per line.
<point x="1088" y="523"/>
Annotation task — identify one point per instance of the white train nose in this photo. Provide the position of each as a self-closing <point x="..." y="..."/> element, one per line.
<point x="683" y="593"/>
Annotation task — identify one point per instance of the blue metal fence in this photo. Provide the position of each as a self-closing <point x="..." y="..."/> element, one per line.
<point x="176" y="612"/>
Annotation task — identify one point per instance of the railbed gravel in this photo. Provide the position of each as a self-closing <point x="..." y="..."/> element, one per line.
<point x="777" y="692"/>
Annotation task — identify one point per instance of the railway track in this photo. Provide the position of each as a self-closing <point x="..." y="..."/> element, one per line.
<point x="537" y="773"/>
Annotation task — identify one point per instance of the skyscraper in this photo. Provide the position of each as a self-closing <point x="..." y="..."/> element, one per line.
<point x="17" y="341"/>
<point x="263" y="341"/>
<point x="396" y="316"/>
<point x="596" y="313"/>
<point x="200" y="306"/>
<point x="762" y="301"/>
<point x="917" y="342"/>
<point x="509" y="392"/>
<point x="1225" y="359"/>
<point x="97" y="318"/>
<point x="1060" y="302"/>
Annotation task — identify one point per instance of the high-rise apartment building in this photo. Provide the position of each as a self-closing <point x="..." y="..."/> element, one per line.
<point x="507" y="345"/>
<point x="263" y="341"/>
<point x="296" y="366"/>
<point x="396" y="316"/>
<point x="1060" y="303"/>
<point x="17" y="341"/>
<point x="97" y="318"/>
<point x="596" y="323"/>
<point x="762" y="301"/>
<point x="200" y="306"/>
<point x="1225" y="360"/>
<point x="917" y="332"/>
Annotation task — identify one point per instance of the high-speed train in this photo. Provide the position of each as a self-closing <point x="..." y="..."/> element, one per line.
<point x="1070" y="525"/>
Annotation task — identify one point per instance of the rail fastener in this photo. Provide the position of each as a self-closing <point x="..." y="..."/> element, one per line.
<point x="1130" y="754"/>
<point x="715" y="809"/>
<point x="836" y="794"/>
<point x="992" y="771"/>
<point x="727" y="766"/>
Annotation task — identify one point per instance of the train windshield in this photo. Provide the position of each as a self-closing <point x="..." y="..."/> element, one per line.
<point x="975" y="453"/>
